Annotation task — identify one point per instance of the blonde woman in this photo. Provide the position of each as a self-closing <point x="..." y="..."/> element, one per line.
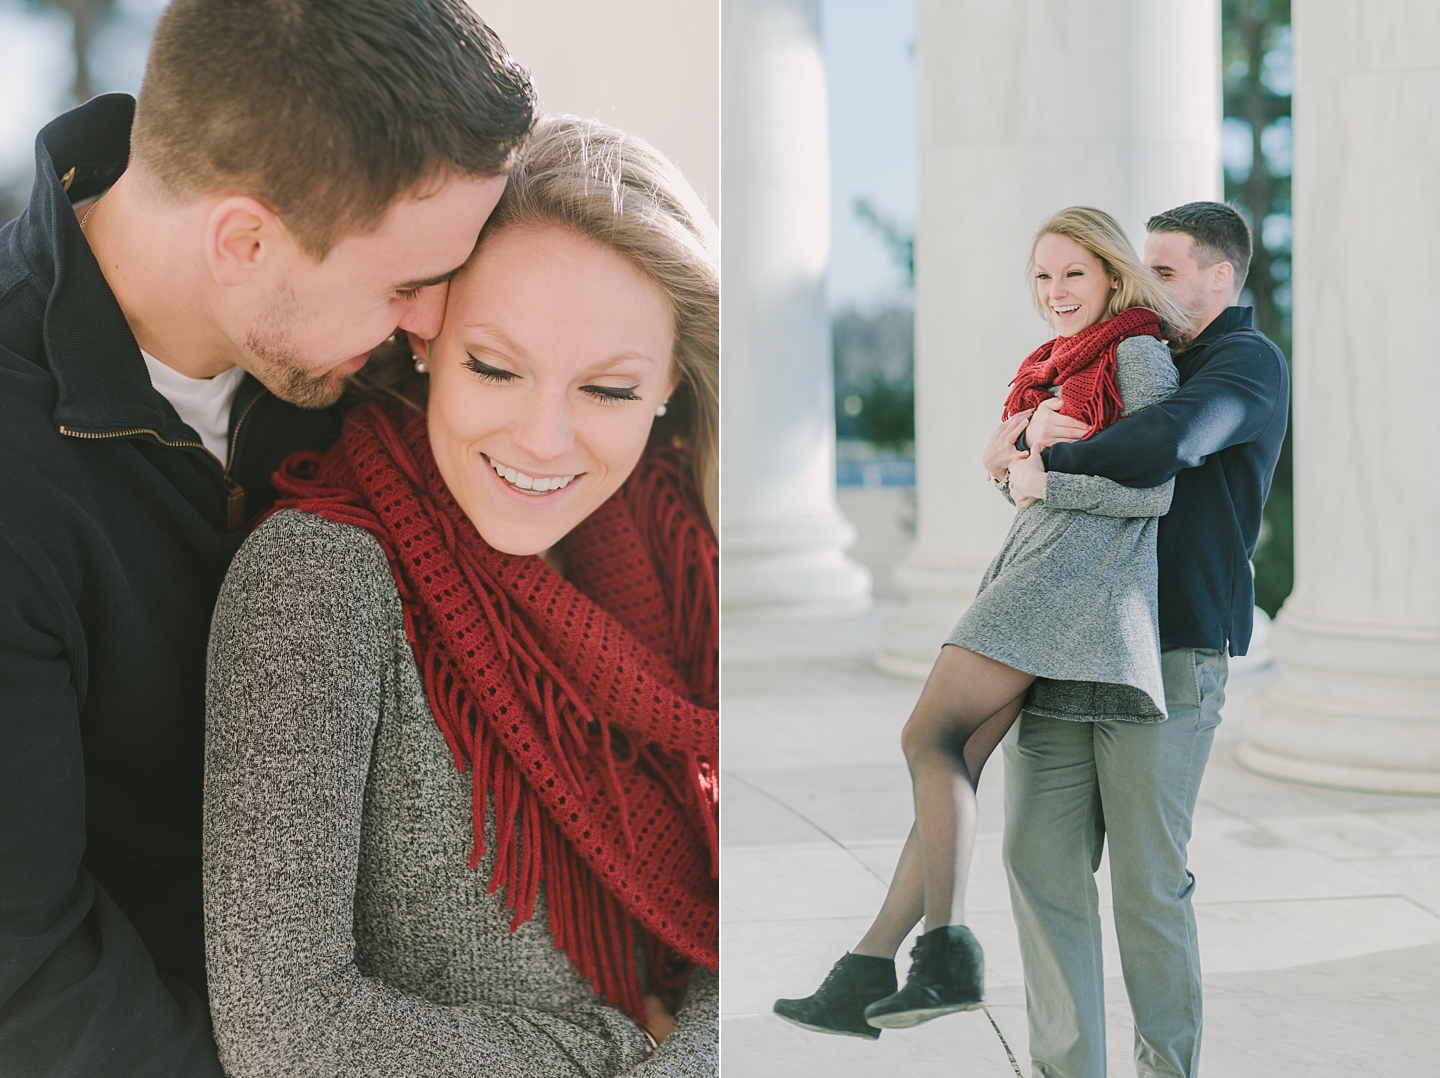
<point x="1064" y="622"/>
<point x="462" y="727"/>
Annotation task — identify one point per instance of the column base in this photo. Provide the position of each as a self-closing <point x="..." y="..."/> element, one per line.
<point x="1357" y="707"/>
<point x="1336" y="776"/>
<point x="794" y="568"/>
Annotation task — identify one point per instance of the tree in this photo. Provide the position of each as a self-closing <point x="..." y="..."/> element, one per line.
<point x="1256" y="37"/>
<point x="87" y="17"/>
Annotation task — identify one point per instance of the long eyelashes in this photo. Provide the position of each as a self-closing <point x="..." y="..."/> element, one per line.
<point x="497" y="375"/>
<point x="500" y="376"/>
<point x="612" y="393"/>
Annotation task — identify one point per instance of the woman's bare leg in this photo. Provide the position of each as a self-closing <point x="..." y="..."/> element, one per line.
<point x="966" y="694"/>
<point x="905" y="901"/>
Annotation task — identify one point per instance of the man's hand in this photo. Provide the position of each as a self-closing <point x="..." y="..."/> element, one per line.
<point x="1048" y="426"/>
<point x="1000" y="450"/>
<point x="1027" y="479"/>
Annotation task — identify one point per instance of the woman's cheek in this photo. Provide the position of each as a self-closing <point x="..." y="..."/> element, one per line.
<point x="616" y="434"/>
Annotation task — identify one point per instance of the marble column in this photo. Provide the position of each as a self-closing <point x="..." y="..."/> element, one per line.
<point x="782" y="536"/>
<point x="1025" y="107"/>
<point x="1358" y="704"/>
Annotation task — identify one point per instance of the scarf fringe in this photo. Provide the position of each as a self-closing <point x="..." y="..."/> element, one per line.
<point x="593" y="920"/>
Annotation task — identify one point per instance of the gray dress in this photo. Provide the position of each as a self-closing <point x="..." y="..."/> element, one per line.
<point x="1071" y="597"/>
<point x="345" y="932"/>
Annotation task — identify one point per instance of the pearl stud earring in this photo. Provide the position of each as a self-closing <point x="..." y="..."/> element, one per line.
<point x="420" y="367"/>
<point x="661" y="409"/>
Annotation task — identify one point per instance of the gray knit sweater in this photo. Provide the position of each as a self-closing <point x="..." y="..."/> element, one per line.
<point x="345" y="934"/>
<point x="1071" y="597"/>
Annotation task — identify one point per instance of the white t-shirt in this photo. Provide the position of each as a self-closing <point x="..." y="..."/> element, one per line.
<point x="204" y="403"/>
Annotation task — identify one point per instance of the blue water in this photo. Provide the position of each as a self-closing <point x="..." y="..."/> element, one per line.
<point x="875" y="473"/>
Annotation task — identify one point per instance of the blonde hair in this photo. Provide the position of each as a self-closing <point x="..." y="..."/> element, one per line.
<point x="601" y="183"/>
<point x="1101" y="235"/>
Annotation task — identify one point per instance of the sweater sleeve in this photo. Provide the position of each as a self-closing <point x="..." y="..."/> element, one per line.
<point x="299" y="655"/>
<point x="79" y="992"/>
<point x="1147" y="375"/>
<point x="1106" y="498"/>
<point x="693" y="1048"/>
<point x="1230" y="400"/>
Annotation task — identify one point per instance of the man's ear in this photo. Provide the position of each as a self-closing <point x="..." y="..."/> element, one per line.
<point x="1224" y="276"/>
<point x="240" y="234"/>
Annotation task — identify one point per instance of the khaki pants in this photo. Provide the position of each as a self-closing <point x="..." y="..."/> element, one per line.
<point x="1069" y="785"/>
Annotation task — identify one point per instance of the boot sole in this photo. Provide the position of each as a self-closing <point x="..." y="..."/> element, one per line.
<point x="907" y="1019"/>
<point x="827" y="1029"/>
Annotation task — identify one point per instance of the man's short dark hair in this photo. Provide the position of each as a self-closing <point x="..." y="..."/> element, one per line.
<point x="327" y="110"/>
<point x="1219" y="232"/>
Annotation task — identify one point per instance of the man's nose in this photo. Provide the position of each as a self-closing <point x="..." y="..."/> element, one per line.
<point x="544" y="428"/>
<point x="426" y="312"/>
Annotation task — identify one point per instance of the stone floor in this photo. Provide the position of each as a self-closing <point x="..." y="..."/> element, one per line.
<point x="1319" y="910"/>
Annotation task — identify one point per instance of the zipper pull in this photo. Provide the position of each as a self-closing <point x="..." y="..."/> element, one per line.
<point x="235" y="507"/>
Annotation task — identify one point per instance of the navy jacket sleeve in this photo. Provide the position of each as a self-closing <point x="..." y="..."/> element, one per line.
<point x="79" y="992"/>
<point x="1231" y="399"/>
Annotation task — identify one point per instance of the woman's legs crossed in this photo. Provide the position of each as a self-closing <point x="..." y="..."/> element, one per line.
<point x="967" y="698"/>
<point x="965" y="708"/>
<point x="943" y="696"/>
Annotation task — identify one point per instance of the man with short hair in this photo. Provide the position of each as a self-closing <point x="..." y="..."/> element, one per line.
<point x="1069" y="785"/>
<point x="181" y="303"/>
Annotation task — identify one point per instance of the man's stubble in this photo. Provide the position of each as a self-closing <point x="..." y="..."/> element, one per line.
<point x="272" y="343"/>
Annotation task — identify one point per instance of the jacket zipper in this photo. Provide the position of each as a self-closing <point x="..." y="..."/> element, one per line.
<point x="138" y="430"/>
<point x="234" y="492"/>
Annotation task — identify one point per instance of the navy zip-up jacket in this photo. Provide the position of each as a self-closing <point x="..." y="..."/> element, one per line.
<point x="1219" y="438"/>
<point x="114" y="539"/>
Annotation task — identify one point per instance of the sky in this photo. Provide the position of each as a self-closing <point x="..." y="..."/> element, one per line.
<point x="874" y="144"/>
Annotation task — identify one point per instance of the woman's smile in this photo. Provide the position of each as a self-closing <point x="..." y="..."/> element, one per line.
<point x="527" y="484"/>
<point x="1072" y="284"/>
<point x="544" y="382"/>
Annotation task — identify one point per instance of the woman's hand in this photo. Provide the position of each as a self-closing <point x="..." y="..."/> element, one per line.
<point x="1048" y="427"/>
<point x="1000" y="451"/>
<point x="657" y="1019"/>
<point x="1027" y="479"/>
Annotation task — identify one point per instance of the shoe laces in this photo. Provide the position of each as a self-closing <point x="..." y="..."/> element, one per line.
<point x="926" y="961"/>
<point x="833" y="975"/>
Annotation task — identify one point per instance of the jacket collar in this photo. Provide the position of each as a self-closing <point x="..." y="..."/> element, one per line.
<point x="1227" y="321"/>
<point x="103" y="385"/>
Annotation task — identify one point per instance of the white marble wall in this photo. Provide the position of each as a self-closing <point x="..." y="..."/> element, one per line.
<point x="1359" y="640"/>
<point x="650" y="67"/>
<point x="782" y="537"/>
<point x="1025" y="107"/>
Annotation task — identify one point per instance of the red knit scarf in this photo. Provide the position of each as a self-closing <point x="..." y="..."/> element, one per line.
<point x="586" y="707"/>
<point x="1085" y="365"/>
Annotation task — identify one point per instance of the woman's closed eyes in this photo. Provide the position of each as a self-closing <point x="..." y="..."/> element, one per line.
<point x="497" y="375"/>
<point x="500" y="376"/>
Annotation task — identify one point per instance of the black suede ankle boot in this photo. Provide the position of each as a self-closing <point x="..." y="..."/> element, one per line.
<point x="947" y="975"/>
<point x="838" y="1005"/>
